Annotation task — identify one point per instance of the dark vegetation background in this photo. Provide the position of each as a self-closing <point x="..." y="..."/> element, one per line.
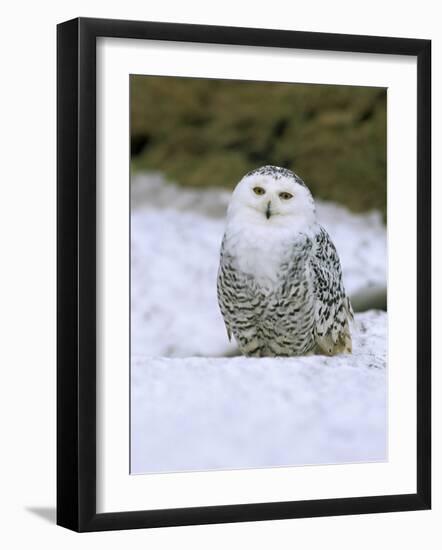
<point x="202" y="132"/>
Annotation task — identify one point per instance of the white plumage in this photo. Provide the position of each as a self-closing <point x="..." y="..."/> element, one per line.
<point x="280" y="286"/>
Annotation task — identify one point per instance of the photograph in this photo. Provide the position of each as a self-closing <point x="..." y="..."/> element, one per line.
<point x="258" y="274"/>
<point x="229" y="323"/>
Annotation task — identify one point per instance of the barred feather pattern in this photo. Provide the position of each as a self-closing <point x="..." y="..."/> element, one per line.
<point x="305" y="311"/>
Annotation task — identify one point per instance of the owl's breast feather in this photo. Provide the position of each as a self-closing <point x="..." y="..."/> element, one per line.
<point x="262" y="253"/>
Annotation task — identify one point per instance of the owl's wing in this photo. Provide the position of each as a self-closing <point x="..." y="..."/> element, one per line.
<point x="225" y="298"/>
<point x="333" y="311"/>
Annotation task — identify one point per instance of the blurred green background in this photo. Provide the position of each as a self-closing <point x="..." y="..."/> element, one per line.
<point x="202" y="132"/>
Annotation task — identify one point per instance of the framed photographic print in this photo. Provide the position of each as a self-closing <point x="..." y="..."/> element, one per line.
<point x="243" y="274"/>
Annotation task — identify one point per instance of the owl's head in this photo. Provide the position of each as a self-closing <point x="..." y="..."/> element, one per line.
<point x="273" y="196"/>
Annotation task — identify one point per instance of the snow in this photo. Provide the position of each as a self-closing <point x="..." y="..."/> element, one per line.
<point x="196" y="404"/>
<point x="175" y="239"/>
<point x="220" y="413"/>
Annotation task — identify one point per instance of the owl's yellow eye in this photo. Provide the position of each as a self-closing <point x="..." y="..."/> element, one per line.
<point x="258" y="190"/>
<point x="285" y="196"/>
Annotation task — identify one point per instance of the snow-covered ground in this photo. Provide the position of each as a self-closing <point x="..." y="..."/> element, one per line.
<point x="175" y="238"/>
<point x="195" y="408"/>
<point x="218" y="413"/>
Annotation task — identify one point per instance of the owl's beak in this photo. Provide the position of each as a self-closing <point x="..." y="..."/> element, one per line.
<point x="268" y="211"/>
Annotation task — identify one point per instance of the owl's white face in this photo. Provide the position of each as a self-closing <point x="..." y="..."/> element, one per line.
<point x="272" y="197"/>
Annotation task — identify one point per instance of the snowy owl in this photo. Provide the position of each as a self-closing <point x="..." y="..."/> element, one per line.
<point x="280" y="287"/>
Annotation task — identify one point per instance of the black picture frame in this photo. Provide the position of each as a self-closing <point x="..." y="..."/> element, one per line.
<point x="77" y="288"/>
